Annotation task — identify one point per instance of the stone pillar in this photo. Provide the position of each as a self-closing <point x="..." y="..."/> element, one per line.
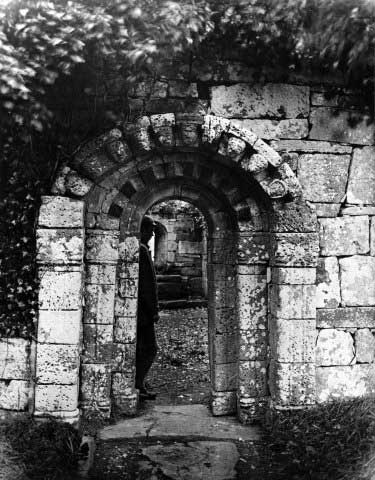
<point x="98" y="321"/>
<point x="60" y="245"/>
<point x="125" y="396"/>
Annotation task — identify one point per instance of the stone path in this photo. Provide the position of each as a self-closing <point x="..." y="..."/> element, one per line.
<point x="179" y="442"/>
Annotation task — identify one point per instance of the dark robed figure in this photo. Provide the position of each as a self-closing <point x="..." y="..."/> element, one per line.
<point x="147" y="311"/>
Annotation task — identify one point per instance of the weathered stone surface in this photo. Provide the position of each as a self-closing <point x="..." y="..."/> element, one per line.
<point x="123" y="356"/>
<point x="364" y="345"/>
<point x="272" y="129"/>
<point x="181" y="89"/>
<point x="334" y="347"/>
<point x="352" y="317"/>
<point x="309" y="146"/>
<point x="100" y="274"/>
<point x="162" y="125"/>
<point x="362" y="177"/>
<point x="60" y="327"/>
<point x="341" y="382"/>
<point x="323" y="176"/>
<point x="129" y="249"/>
<point x="59" y="246"/>
<point x="102" y="246"/>
<point x="294" y="249"/>
<point x="14" y="359"/>
<point x="138" y="134"/>
<point x="223" y="403"/>
<point x="232" y="147"/>
<point x="125" y="329"/>
<point x="76" y="184"/>
<point x="125" y="307"/>
<point x="14" y="394"/>
<point x="292" y="341"/>
<point x="332" y="124"/>
<point x="96" y="386"/>
<point x="253" y="248"/>
<point x="292" y="384"/>
<point x="122" y="384"/>
<point x="344" y="235"/>
<point x="272" y="99"/>
<point x="252" y="378"/>
<point x="264" y="149"/>
<point x="98" y="343"/>
<point x="225" y="346"/>
<point x="327" y="283"/>
<point x="61" y="212"/>
<point x="255" y="163"/>
<point x="253" y="344"/>
<point x="101" y="221"/>
<point x="357" y="280"/>
<point x="128" y="287"/>
<point x="327" y="209"/>
<point x="293" y="275"/>
<point x="60" y="289"/>
<point x="128" y="270"/>
<point x="372" y="237"/>
<point x="99" y="304"/>
<point x="357" y="210"/>
<point x="292" y="301"/>
<point x="50" y="398"/>
<point x="195" y="460"/>
<point x="252" y="301"/>
<point x="57" y="364"/>
<point x="293" y="217"/>
<point x="225" y="377"/>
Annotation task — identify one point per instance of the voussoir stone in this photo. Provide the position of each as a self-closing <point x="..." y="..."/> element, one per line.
<point x="357" y="280"/>
<point x="362" y="177"/>
<point x="334" y="347"/>
<point x="344" y="235"/>
<point x="327" y="283"/>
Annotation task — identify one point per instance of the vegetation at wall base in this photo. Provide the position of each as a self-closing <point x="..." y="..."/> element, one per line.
<point x="47" y="450"/>
<point x="331" y="441"/>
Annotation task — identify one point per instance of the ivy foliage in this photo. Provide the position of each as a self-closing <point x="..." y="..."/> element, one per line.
<point x="44" y="44"/>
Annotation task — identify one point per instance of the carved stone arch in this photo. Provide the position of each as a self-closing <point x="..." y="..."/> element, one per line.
<point x="275" y="251"/>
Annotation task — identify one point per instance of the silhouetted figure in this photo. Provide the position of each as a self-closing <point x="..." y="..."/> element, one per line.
<point x="147" y="311"/>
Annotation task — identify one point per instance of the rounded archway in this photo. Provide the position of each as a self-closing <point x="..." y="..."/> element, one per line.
<point x="262" y="249"/>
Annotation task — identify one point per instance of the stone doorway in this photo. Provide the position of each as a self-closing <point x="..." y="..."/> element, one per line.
<point x="261" y="256"/>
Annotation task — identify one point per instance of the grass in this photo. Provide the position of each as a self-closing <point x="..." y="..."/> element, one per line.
<point x="333" y="441"/>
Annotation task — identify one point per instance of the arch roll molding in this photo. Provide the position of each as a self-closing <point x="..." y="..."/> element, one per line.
<point x="262" y="255"/>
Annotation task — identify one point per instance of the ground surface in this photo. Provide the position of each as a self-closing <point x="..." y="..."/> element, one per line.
<point x="180" y="373"/>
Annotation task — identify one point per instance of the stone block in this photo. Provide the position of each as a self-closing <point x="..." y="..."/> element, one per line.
<point x="252" y="301"/>
<point x="100" y="274"/>
<point x="225" y="377"/>
<point x="253" y="248"/>
<point x="252" y="410"/>
<point x="182" y="89"/>
<point x="357" y="280"/>
<point x="14" y="359"/>
<point x="77" y="185"/>
<point x="58" y="364"/>
<point x="185" y="247"/>
<point x="293" y="217"/>
<point x="101" y="246"/>
<point x="14" y="394"/>
<point x="102" y="221"/>
<point x="345" y="382"/>
<point x="128" y="270"/>
<point x="323" y="177"/>
<point x="293" y="275"/>
<point x="225" y="348"/>
<point x="292" y="341"/>
<point x="128" y="287"/>
<point x="223" y="403"/>
<point x="96" y="386"/>
<point x="344" y="235"/>
<point x="122" y="385"/>
<point x="294" y="249"/>
<point x="123" y="357"/>
<point x="357" y="210"/>
<point x="61" y="212"/>
<point x="364" y="346"/>
<point x="59" y="246"/>
<point x="255" y="101"/>
<point x="129" y="250"/>
<point x="327" y="283"/>
<point x="351" y="317"/>
<point x="51" y="398"/>
<point x="125" y="307"/>
<point x="310" y="146"/>
<point x="98" y="343"/>
<point x="334" y="347"/>
<point x="60" y="289"/>
<point x="253" y="345"/>
<point x="292" y="383"/>
<point x="273" y="129"/>
<point x="125" y="330"/>
<point x="327" y="209"/>
<point x="362" y="177"/>
<point x="292" y="301"/>
<point x="59" y="327"/>
<point x="99" y="304"/>
<point x="333" y="124"/>
<point x="252" y="379"/>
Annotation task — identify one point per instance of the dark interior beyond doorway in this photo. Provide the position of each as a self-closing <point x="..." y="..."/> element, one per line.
<point x="180" y="373"/>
